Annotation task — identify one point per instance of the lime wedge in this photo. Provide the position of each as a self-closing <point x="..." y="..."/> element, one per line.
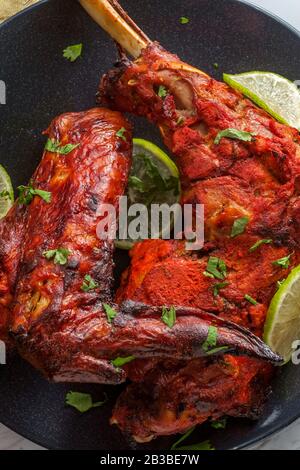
<point x="6" y="192"/>
<point x="275" y="94"/>
<point x="154" y="179"/>
<point x="282" y="325"/>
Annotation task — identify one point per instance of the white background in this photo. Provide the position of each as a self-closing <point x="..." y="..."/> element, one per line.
<point x="289" y="10"/>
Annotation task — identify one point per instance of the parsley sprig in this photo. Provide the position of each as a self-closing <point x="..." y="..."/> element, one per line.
<point x="59" y="255"/>
<point x="27" y="193"/>
<point x="169" y="316"/>
<point x="73" y="52"/>
<point x="83" y="402"/>
<point x="89" y="283"/>
<point x="216" y="268"/>
<point x="55" y="146"/>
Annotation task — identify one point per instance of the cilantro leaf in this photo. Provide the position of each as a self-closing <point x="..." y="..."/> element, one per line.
<point x="239" y="226"/>
<point x="59" y="255"/>
<point x="111" y="313"/>
<point x="211" y="340"/>
<point x="121" y="361"/>
<point x="234" y="134"/>
<point x="89" y="284"/>
<point x="55" y="147"/>
<point x="184" y="20"/>
<point x="73" y="52"/>
<point x="283" y="262"/>
<point x="162" y="91"/>
<point x="216" y="268"/>
<point x="259" y="243"/>
<point x="120" y="133"/>
<point x="219" y="424"/>
<point x="27" y="193"/>
<point x="83" y="401"/>
<point x="250" y="299"/>
<point x="217" y="287"/>
<point x="169" y="316"/>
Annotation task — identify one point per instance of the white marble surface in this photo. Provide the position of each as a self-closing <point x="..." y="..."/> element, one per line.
<point x="289" y="439"/>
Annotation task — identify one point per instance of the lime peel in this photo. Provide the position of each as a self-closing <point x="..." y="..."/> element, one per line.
<point x="282" y="326"/>
<point x="275" y="94"/>
<point x="6" y="192"/>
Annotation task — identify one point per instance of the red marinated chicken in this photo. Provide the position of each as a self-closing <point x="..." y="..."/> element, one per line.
<point x="255" y="182"/>
<point x="48" y="247"/>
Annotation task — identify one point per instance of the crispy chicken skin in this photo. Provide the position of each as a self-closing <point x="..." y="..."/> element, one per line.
<point x="257" y="180"/>
<point x="60" y="328"/>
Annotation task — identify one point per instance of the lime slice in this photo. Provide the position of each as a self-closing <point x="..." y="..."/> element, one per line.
<point x="154" y="179"/>
<point x="275" y="94"/>
<point x="6" y="192"/>
<point x="282" y="325"/>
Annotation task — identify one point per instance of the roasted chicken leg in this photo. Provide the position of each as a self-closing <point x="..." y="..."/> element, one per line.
<point x="255" y="181"/>
<point x="58" y="325"/>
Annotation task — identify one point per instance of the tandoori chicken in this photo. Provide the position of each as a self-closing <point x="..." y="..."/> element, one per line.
<point x="57" y="273"/>
<point x="249" y="190"/>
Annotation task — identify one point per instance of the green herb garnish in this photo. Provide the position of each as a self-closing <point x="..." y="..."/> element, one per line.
<point x="73" y="52"/>
<point x="217" y="287"/>
<point x="89" y="284"/>
<point x="54" y="146"/>
<point x="259" y="243"/>
<point x="234" y="134"/>
<point x="239" y="226"/>
<point x="121" y="361"/>
<point x="216" y="268"/>
<point x="211" y="340"/>
<point x="219" y="424"/>
<point x="162" y="92"/>
<point x="184" y="20"/>
<point x="250" y="299"/>
<point x="27" y="193"/>
<point x="59" y="256"/>
<point x="111" y="313"/>
<point x="283" y="262"/>
<point x="169" y="316"/>
<point x="121" y="134"/>
<point x="83" y="401"/>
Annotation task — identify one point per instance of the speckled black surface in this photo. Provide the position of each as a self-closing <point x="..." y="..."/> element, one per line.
<point x="40" y="85"/>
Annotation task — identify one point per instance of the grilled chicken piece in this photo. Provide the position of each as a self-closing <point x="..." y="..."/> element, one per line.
<point x="257" y="180"/>
<point x="60" y="328"/>
<point x="172" y="397"/>
<point x="189" y="393"/>
<point x="161" y="270"/>
<point x="233" y="179"/>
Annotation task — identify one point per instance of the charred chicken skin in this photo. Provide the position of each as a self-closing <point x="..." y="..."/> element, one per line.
<point x="256" y="181"/>
<point x="59" y="327"/>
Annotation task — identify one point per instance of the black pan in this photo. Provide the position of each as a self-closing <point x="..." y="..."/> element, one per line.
<point x="42" y="84"/>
